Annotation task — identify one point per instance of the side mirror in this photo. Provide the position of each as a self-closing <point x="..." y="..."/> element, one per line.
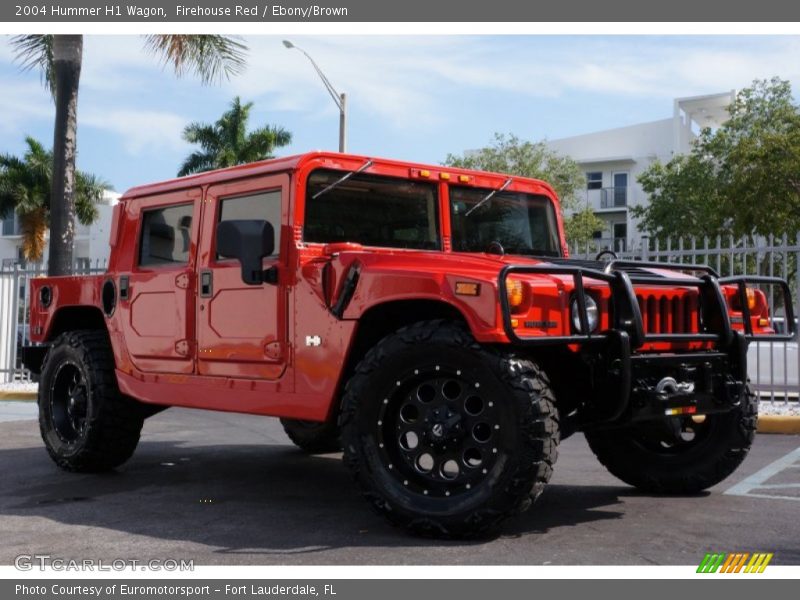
<point x="248" y="241"/>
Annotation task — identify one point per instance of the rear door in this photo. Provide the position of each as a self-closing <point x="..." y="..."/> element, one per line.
<point x="242" y="329"/>
<point x="158" y="293"/>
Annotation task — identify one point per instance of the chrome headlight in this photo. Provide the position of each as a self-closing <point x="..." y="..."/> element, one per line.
<point x="592" y="315"/>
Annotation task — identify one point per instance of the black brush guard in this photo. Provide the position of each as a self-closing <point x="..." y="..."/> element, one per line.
<point x="628" y="391"/>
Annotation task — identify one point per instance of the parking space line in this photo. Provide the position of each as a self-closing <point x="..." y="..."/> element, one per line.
<point x="757" y="481"/>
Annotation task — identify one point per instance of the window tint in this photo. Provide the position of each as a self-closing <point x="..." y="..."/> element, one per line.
<point x="166" y="235"/>
<point x="594" y="180"/>
<point x="265" y="206"/>
<point x="373" y="211"/>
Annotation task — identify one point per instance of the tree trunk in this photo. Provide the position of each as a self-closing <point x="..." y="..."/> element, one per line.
<point x="67" y="57"/>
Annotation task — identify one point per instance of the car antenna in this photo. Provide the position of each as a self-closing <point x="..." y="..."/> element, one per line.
<point x="344" y="178"/>
<point x="489" y="196"/>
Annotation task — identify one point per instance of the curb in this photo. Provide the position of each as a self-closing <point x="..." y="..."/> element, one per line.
<point x="779" y="424"/>
<point x="18" y="396"/>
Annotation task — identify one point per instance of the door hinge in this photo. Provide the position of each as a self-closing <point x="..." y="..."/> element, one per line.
<point x="183" y="347"/>
<point x="273" y="350"/>
<point x="182" y="281"/>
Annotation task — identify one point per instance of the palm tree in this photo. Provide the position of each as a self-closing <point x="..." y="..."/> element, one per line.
<point x="227" y="143"/>
<point x="26" y="187"/>
<point x="211" y="57"/>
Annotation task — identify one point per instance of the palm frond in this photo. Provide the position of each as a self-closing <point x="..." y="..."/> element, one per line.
<point x="89" y="191"/>
<point x="197" y="162"/>
<point x="36" y="52"/>
<point x="227" y="143"/>
<point x="211" y="57"/>
<point x="25" y="188"/>
<point x="261" y="143"/>
<point x="204" y="135"/>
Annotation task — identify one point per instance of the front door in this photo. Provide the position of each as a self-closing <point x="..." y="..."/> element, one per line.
<point x="242" y="329"/>
<point x="620" y="236"/>
<point x="157" y="295"/>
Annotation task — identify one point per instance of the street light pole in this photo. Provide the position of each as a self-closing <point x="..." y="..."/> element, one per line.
<point x="339" y="99"/>
<point x="342" y="122"/>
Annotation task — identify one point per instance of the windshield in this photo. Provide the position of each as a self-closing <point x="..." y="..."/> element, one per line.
<point x="520" y="223"/>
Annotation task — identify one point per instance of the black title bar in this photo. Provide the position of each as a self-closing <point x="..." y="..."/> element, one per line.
<point x="34" y="11"/>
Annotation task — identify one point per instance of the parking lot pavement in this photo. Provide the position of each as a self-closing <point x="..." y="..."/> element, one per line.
<point x="230" y="489"/>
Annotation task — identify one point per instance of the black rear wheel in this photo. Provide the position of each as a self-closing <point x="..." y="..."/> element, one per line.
<point x="86" y="424"/>
<point x="679" y="455"/>
<point x="447" y="437"/>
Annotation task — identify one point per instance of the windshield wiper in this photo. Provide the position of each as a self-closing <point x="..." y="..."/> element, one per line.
<point x="344" y="178"/>
<point x="489" y="196"/>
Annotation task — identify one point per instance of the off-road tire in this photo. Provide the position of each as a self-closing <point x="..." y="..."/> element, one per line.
<point x="112" y="422"/>
<point x="694" y="470"/>
<point x="313" y="437"/>
<point x="527" y="450"/>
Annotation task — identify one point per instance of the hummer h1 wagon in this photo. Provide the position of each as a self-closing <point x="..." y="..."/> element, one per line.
<point x="425" y="320"/>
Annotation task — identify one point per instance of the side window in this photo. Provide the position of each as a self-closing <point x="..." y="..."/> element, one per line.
<point x="166" y="236"/>
<point x="264" y="206"/>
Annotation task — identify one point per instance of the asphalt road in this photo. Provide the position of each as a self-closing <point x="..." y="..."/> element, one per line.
<point x="230" y="489"/>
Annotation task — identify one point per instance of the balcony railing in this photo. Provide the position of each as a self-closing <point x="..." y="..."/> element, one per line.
<point x="614" y="197"/>
<point x="609" y="197"/>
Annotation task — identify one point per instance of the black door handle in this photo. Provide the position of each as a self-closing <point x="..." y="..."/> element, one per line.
<point x="124" y="288"/>
<point x="206" y="284"/>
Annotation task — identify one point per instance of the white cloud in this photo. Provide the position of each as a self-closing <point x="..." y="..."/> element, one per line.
<point x="140" y="131"/>
<point x="22" y="102"/>
<point x="405" y="80"/>
<point x="402" y="78"/>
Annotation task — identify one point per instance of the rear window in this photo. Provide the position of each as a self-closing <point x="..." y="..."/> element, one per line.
<point x="371" y="210"/>
<point x="166" y="236"/>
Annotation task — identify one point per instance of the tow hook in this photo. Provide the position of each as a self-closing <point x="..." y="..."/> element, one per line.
<point x="669" y="388"/>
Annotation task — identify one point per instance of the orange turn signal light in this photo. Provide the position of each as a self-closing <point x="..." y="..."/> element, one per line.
<point x="468" y="288"/>
<point x="515" y="292"/>
<point x="751" y="298"/>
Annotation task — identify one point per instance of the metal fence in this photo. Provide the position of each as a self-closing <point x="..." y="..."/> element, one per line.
<point x="15" y="313"/>
<point x="773" y="366"/>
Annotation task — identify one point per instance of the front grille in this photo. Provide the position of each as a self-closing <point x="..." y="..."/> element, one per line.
<point x="663" y="313"/>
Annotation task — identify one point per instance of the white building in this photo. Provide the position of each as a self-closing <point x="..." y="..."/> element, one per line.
<point x="91" y="241"/>
<point x="613" y="159"/>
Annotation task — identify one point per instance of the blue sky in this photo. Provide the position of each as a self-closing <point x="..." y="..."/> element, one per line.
<point x="410" y="97"/>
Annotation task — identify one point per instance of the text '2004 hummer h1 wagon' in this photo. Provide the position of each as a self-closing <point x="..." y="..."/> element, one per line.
<point x="425" y="320"/>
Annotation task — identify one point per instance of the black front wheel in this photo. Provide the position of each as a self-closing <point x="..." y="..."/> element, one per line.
<point x="447" y="437"/>
<point x="679" y="455"/>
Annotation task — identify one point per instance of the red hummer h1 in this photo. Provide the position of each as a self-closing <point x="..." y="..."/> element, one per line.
<point x="425" y="320"/>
